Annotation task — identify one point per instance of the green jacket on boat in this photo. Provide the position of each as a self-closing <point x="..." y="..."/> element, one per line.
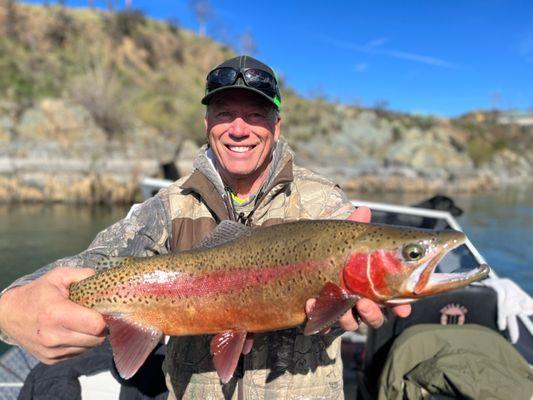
<point x="460" y="361"/>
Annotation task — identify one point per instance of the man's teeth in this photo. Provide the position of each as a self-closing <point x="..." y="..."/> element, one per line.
<point x="240" y="149"/>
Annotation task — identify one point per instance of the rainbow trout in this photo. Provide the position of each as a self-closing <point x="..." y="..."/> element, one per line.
<point x="241" y="281"/>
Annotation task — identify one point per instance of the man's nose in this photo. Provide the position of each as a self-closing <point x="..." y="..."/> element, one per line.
<point x="239" y="127"/>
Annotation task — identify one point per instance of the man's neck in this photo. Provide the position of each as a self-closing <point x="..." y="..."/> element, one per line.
<point x="246" y="186"/>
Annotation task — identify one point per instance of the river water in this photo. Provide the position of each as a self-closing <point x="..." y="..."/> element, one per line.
<point x="500" y="224"/>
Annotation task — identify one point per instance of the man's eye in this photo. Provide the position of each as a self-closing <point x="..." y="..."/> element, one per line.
<point x="223" y="115"/>
<point x="256" y="117"/>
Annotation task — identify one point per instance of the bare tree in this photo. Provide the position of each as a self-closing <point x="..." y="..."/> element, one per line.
<point x="128" y="4"/>
<point x="248" y="45"/>
<point x="495" y="99"/>
<point x="203" y="11"/>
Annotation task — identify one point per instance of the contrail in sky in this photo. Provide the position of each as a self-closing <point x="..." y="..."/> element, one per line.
<point x="374" y="47"/>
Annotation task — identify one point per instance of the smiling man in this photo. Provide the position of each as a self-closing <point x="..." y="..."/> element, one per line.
<point x="245" y="173"/>
<point x="249" y="167"/>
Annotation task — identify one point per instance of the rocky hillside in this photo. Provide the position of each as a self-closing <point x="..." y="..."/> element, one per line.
<point x="91" y="100"/>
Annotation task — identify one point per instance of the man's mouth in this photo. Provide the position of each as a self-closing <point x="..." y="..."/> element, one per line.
<point x="240" y="149"/>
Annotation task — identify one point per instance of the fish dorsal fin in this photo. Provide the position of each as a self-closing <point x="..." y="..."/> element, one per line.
<point x="331" y="304"/>
<point x="226" y="348"/>
<point x="225" y="232"/>
<point x="131" y="343"/>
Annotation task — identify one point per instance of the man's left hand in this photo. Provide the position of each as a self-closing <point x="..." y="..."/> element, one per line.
<point x="368" y="310"/>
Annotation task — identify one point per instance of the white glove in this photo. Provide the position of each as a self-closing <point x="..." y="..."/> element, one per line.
<point x="512" y="302"/>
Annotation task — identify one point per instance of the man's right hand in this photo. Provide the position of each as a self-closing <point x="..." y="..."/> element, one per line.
<point x="40" y="317"/>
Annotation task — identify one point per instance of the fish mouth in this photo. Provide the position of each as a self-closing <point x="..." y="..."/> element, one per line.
<point x="439" y="282"/>
<point x="425" y="281"/>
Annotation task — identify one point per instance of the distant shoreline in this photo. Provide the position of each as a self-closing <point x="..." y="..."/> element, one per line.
<point x="118" y="182"/>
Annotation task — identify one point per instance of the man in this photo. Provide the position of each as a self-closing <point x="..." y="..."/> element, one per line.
<point x="245" y="174"/>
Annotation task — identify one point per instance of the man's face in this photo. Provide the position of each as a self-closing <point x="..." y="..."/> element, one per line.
<point x="242" y="129"/>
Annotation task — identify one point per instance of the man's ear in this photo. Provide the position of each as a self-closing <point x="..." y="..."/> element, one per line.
<point x="277" y="128"/>
<point x="206" y="128"/>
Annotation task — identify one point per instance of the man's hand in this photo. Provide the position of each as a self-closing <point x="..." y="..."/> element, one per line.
<point x="368" y="310"/>
<point x="40" y="317"/>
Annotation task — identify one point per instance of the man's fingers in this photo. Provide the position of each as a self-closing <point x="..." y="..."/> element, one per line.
<point x="370" y="313"/>
<point x="348" y="322"/>
<point x="361" y="214"/>
<point x="402" y="310"/>
<point x="54" y="356"/>
<point x="67" y="276"/>
<point x="83" y="320"/>
<point x="309" y="305"/>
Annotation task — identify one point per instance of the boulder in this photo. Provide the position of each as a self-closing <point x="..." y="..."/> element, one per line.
<point x="58" y="121"/>
<point x="367" y="132"/>
<point x="428" y="154"/>
<point x="6" y="125"/>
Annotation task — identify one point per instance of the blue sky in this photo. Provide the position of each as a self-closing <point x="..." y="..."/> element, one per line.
<point x="428" y="57"/>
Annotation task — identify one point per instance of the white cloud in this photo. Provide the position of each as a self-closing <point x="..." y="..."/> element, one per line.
<point x="361" y="67"/>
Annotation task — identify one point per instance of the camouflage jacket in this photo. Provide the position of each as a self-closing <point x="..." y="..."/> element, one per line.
<point x="281" y="365"/>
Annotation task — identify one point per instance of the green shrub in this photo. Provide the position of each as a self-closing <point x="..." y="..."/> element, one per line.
<point x="100" y="91"/>
<point x="480" y="150"/>
<point x="61" y="27"/>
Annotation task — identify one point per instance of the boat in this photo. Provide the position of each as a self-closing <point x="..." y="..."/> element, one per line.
<point x="360" y="350"/>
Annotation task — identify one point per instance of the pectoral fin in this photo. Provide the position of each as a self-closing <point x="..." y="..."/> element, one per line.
<point x="331" y="304"/>
<point x="226" y="348"/>
<point x="131" y="342"/>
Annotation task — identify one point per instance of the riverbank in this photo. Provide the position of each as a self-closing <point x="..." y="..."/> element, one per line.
<point x="115" y="179"/>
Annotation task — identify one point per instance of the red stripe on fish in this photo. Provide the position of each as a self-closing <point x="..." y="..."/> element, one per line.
<point x="221" y="282"/>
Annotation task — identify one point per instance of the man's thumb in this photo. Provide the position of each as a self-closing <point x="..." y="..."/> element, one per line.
<point x="67" y="276"/>
<point x="362" y="214"/>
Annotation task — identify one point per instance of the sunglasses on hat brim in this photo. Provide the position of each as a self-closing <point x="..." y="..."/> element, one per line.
<point x="252" y="77"/>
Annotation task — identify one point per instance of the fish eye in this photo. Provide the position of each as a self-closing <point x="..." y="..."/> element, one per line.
<point x="413" y="252"/>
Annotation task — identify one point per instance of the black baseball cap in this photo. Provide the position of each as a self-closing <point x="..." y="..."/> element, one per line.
<point x="243" y="72"/>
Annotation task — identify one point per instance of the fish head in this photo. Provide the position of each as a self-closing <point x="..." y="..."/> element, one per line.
<point x="394" y="265"/>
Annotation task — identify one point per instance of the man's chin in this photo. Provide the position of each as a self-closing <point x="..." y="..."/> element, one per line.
<point x="241" y="171"/>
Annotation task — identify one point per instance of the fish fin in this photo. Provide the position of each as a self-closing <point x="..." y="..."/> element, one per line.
<point x="226" y="348"/>
<point x="131" y="343"/>
<point x="248" y="343"/>
<point x="225" y="232"/>
<point x="111" y="262"/>
<point x="331" y="304"/>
